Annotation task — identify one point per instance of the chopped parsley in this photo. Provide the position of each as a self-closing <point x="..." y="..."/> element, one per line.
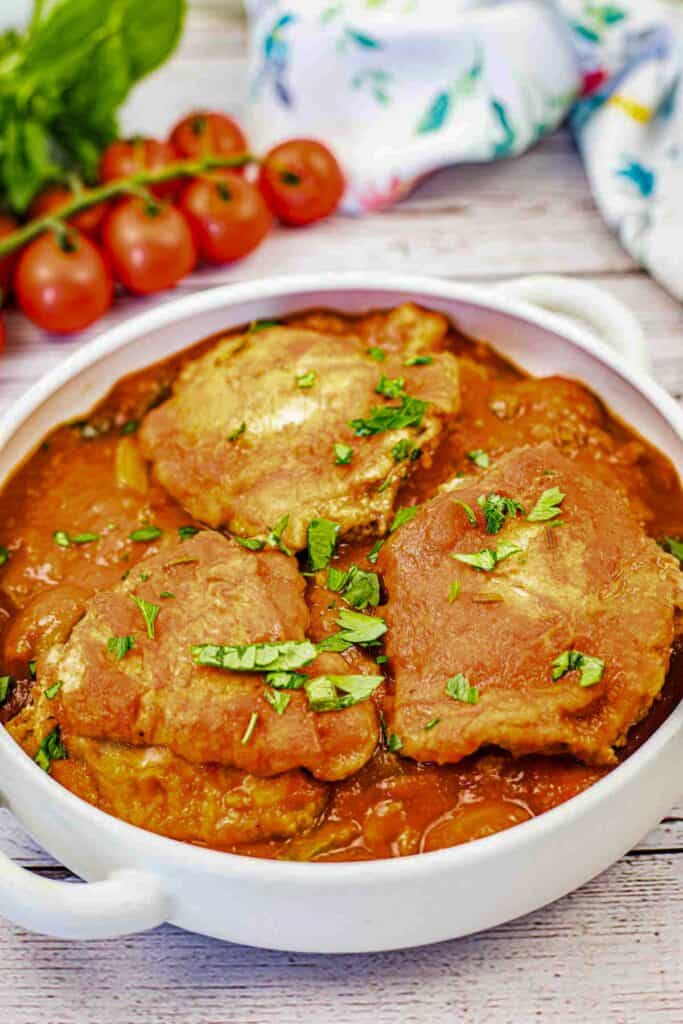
<point x="394" y="743"/>
<point x="120" y="645"/>
<point x="373" y="554"/>
<point x="480" y="458"/>
<point x="591" y="669"/>
<point x="405" y="449"/>
<point x="453" y="591"/>
<point x="286" y="680"/>
<point x="418" y="361"/>
<point x="249" y="731"/>
<point x="149" y="613"/>
<point x="488" y="558"/>
<point x="459" y="688"/>
<point x="129" y="427"/>
<point x="262" y="325"/>
<point x="431" y="723"/>
<point x="467" y="509"/>
<point x="237" y="432"/>
<point x="333" y="693"/>
<point x="5" y="686"/>
<point x="250" y="543"/>
<point x="65" y="540"/>
<point x="4" y="555"/>
<point x="32" y="669"/>
<point x="51" y="749"/>
<point x="343" y="454"/>
<point x="278" y="700"/>
<point x="145" y="533"/>
<point x="496" y="510"/>
<point x="391" y="417"/>
<point x="358" y="587"/>
<point x="403" y="516"/>
<point x="381" y="659"/>
<point x="53" y="690"/>
<point x="385" y="483"/>
<point x="274" y="535"/>
<point x="672" y="544"/>
<point x="306" y="380"/>
<point x="166" y="593"/>
<point x="378" y="354"/>
<point x="391" y="387"/>
<point x="322" y="541"/>
<point x="277" y="657"/>
<point x="547" y="507"/>
<point x="185" y="532"/>
<point x="356" y="628"/>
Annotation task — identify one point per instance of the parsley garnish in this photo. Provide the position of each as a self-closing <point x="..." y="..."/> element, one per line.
<point x="145" y="533"/>
<point x="32" y="669"/>
<point x="385" y="483"/>
<point x="279" y="657"/>
<point x="373" y="554"/>
<point x="250" y="543"/>
<point x="322" y="540"/>
<point x="306" y="380"/>
<point x="479" y="457"/>
<point x="418" y="361"/>
<point x="324" y="694"/>
<point x="487" y="559"/>
<point x="496" y="509"/>
<point x="278" y="700"/>
<point x="129" y="427"/>
<point x="359" y="588"/>
<point x="51" y="749"/>
<point x="274" y="535"/>
<point x="166" y="593"/>
<point x="381" y="659"/>
<point x="342" y="454"/>
<point x="53" y="690"/>
<point x="394" y="743"/>
<point x="64" y="539"/>
<point x="591" y="669"/>
<point x="249" y="731"/>
<point x="378" y="354"/>
<point x="237" y="432"/>
<point x="120" y="645"/>
<point x="547" y="506"/>
<point x="149" y="613"/>
<point x="672" y="544"/>
<point x="4" y="555"/>
<point x="391" y="417"/>
<point x="185" y="532"/>
<point x="403" y="516"/>
<point x="391" y="387"/>
<point x="262" y="325"/>
<point x="453" y="591"/>
<point x="286" y="680"/>
<point x="356" y="628"/>
<point x="458" y="687"/>
<point x="467" y="509"/>
<point x="431" y="723"/>
<point x="5" y="685"/>
<point x="404" y="449"/>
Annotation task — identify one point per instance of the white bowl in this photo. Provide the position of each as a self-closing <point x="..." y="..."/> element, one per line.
<point x="137" y="879"/>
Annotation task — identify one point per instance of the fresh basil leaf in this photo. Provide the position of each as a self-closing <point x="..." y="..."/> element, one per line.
<point x="275" y="657"/>
<point x="322" y="541"/>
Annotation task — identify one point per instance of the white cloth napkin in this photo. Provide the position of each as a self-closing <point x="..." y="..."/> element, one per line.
<point x="398" y="88"/>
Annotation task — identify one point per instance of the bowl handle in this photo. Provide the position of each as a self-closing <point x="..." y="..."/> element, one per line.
<point x="127" y="901"/>
<point x="608" y="318"/>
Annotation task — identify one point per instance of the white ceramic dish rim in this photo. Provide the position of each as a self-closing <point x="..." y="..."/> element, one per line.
<point x="343" y="873"/>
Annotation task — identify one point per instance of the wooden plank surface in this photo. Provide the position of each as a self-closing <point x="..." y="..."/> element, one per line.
<point x="611" y="952"/>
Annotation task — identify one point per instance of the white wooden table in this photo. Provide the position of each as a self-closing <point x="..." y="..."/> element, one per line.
<point x="611" y="952"/>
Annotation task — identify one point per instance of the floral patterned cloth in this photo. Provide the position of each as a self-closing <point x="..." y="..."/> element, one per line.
<point x="400" y="87"/>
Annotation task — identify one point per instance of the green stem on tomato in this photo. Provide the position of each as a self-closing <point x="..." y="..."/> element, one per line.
<point x="121" y="187"/>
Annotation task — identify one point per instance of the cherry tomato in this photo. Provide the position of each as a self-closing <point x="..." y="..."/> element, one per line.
<point x="301" y="181"/>
<point x="228" y="216"/>
<point x="7" y="264"/>
<point x="126" y="157"/>
<point x="150" y="245"/>
<point x="62" y="282"/>
<point x="206" y="132"/>
<point x="53" y="198"/>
